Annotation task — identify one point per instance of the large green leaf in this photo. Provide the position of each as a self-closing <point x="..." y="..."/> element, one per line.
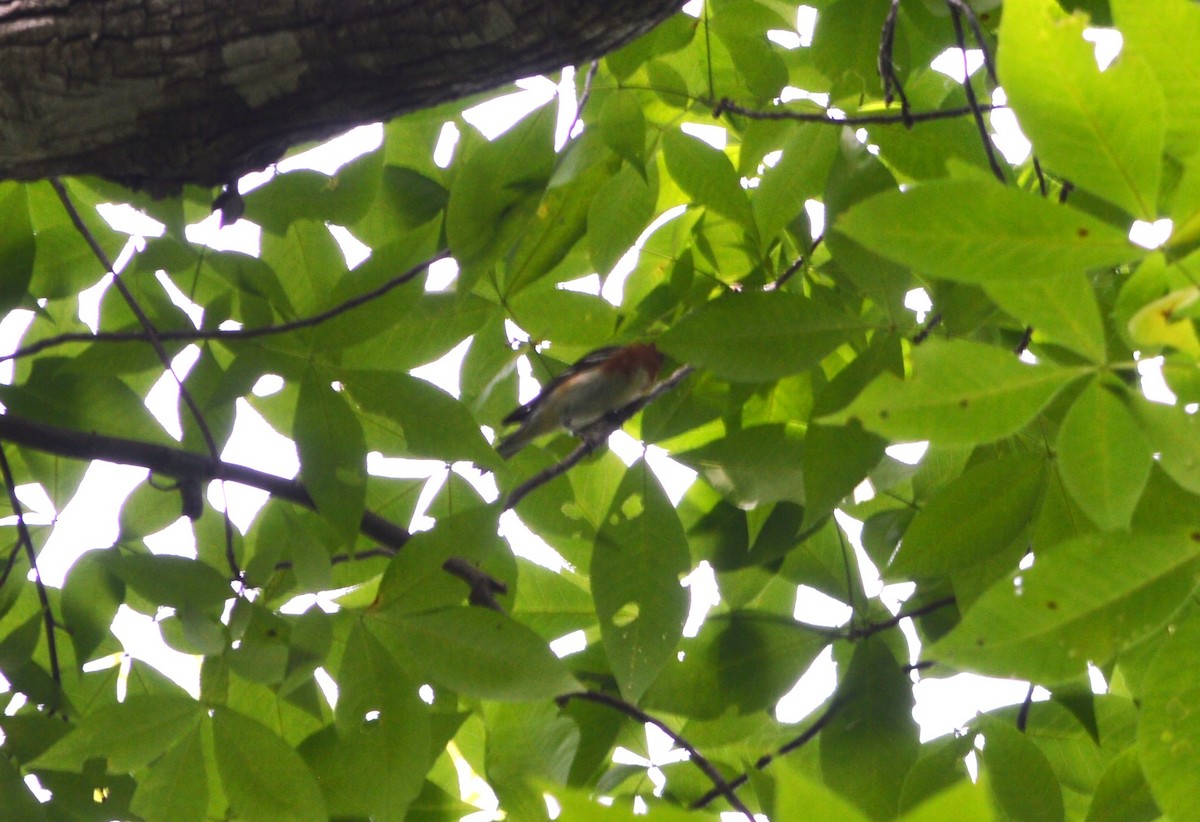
<point x="477" y="652"/>
<point x="262" y="776"/>
<point x="129" y="734"/>
<point x="1085" y="599"/>
<point x="1170" y="722"/>
<point x="1101" y="130"/>
<point x="978" y="232"/>
<point x="641" y="554"/>
<point x="1020" y="776"/>
<point x="974" y="518"/>
<point x="333" y="455"/>
<point x="871" y="743"/>
<point x="1103" y="457"/>
<point x="707" y="176"/>
<point x="175" y="787"/>
<point x="1158" y="32"/>
<point x="960" y="392"/>
<point x="17" y="245"/>
<point x="754" y="466"/>
<point x="1060" y="308"/>
<point x="756" y="337"/>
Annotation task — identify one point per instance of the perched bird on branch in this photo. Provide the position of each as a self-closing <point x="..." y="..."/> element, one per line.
<point x="601" y="382"/>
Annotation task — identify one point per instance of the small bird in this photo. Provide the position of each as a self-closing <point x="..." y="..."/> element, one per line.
<point x="601" y="382"/>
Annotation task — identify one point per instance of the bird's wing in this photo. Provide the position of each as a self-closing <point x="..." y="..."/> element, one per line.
<point x="593" y="359"/>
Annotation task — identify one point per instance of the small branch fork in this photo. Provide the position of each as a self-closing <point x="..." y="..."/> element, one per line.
<point x="720" y="786"/>
<point x="153" y="338"/>
<point x="25" y="541"/>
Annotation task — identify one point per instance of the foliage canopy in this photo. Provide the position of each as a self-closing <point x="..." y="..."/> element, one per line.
<point x="1051" y="532"/>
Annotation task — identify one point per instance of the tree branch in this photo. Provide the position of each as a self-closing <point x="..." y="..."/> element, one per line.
<point x="185" y="466"/>
<point x="152" y="336"/>
<point x="24" y="539"/>
<point x="720" y="786"/>
<point x="852" y="120"/>
<point x="202" y="334"/>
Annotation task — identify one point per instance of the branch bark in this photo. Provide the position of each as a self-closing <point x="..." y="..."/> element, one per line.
<point x="185" y="466"/>
<point x="157" y="94"/>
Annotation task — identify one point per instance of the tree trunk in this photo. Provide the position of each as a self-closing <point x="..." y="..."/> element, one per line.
<point x="158" y="93"/>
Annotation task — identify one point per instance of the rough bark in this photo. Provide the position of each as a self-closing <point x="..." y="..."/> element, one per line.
<point x="158" y="93"/>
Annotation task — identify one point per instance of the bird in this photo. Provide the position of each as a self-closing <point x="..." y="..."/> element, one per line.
<point x="599" y="383"/>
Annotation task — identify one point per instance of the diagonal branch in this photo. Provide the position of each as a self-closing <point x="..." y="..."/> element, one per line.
<point x="24" y="540"/>
<point x="185" y="466"/>
<point x="720" y="786"/>
<point x="201" y="334"/>
<point x="152" y="337"/>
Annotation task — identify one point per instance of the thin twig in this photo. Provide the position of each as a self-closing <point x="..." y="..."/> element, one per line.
<point x="887" y="66"/>
<point x="588" y="79"/>
<point x="872" y="628"/>
<point x="609" y="424"/>
<point x="23" y="538"/>
<point x="720" y="786"/>
<point x="973" y="21"/>
<point x="850" y="120"/>
<point x="780" y="281"/>
<point x="1023" y="714"/>
<point x="151" y="332"/>
<point x="202" y="334"/>
<point x="763" y="761"/>
<point x="973" y="103"/>
<point x="935" y="319"/>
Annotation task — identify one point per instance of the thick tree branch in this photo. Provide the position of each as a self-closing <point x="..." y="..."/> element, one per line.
<point x="185" y="466"/>
<point x="156" y="95"/>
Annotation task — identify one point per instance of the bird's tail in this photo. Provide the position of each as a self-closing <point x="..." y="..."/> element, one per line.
<point x="514" y="442"/>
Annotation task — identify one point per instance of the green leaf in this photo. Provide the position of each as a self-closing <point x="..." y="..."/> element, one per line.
<point x="311" y="263"/>
<point x="965" y="802"/>
<point x="976" y="516"/>
<point x="1084" y="600"/>
<point x="979" y="232"/>
<point x="619" y="213"/>
<point x="623" y="126"/>
<point x="1019" y="774"/>
<point x="799" y="796"/>
<point x="262" y="776"/>
<point x="753" y="466"/>
<point x="175" y="787"/>
<point x="565" y="317"/>
<point x="415" y="582"/>
<point x="432" y="423"/>
<point x="640" y="555"/>
<point x="561" y="217"/>
<point x="1103" y="457"/>
<point x="174" y="581"/>
<point x="333" y="455"/>
<point x="707" y="176"/>
<point x="384" y="734"/>
<point x="90" y="599"/>
<point x="1170" y="722"/>
<point x="477" y="652"/>
<point x="129" y="734"/>
<point x="1122" y="794"/>
<point x="1061" y="309"/>
<point x="798" y="176"/>
<point x="17" y="245"/>
<point x="757" y="336"/>
<point x="493" y="180"/>
<point x="871" y="743"/>
<point x="744" y="659"/>
<point x="961" y="392"/>
<point x="16" y="800"/>
<point x="1102" y="130"/>
<point x="1158" y="32"/>
<point x="1175" y="437"/>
